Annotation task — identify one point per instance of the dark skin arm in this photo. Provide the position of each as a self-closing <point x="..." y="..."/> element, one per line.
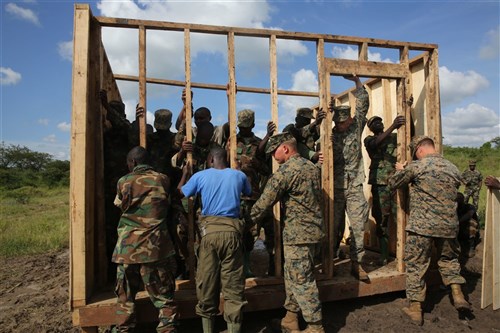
<point x="182" y="115"/>
<point x="186" y="173"/>
<point x="271" y="127"/>
<point x="397" y="123"/>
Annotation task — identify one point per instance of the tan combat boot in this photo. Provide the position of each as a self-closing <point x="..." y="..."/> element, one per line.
<point x="358" y="272"/>
<point x="312" y="328"/>
<point x="290" y="322"/>
<point x="414" y="311"/>
<point x="458" y="298"/>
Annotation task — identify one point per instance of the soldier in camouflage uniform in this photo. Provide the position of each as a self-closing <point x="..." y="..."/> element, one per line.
<point x="251" y="160"/>
<point x="381" y="147"/>
<point x="433" y="220"/>
<point x="144" y="252"/>
<point x="349" y="176"/>
<point x="306" y="132"/>
<point x="468" y="231"/>
<point x="296" y="184"/>
<point x="472" y="180"/>
<point x="220" y="255"/>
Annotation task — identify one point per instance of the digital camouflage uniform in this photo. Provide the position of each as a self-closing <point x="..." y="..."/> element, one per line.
<point x="383" y="158"/>
<point x="349" y="176"/>
<point x="433" y="220"/>
<point x="296" y="184"/>
<point x="473" y="181"/>
<point x="144" y="251"/>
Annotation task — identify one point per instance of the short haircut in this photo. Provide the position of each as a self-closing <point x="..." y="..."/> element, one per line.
<point x="292" y="143"/>
<point x="219" y="153"/>
<point x="139" y="154"/>
<point x="426" y="142"/>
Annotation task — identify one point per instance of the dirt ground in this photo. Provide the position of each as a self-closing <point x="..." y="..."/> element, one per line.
<point x="34" y="298"/>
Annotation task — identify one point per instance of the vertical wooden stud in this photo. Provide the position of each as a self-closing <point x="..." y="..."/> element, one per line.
<point x="231" y="99"/>
<point x="142" y="85"/>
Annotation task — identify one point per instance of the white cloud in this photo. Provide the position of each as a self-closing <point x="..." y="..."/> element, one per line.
<point x="303" y="80"/>
<point x="64" y="126"/>
<point x="65" y="50"/>
<point x="456" y="86"/>
<point x="166" y="49"/>
<point x="22" y="13"/>
<point x="50" y="138"/>
<point x="470" y="126"/>
<point x="9" y="76"/>
<point x="352" y="54"/>
<point x="43" y="121"/>
<point x="492" y="48"/>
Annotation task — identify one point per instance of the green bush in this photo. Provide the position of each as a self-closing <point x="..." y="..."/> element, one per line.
<point x="23" y="195"/>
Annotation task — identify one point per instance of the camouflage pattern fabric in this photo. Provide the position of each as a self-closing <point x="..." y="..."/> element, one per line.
<point x="143" y="237"/>
<point x="159" y="282"/>
<point x="306" y="138"/>
<point x="383" y="206"/>
<point x="383" y="158"/>
<point x="418" y="250"/>
<point x="220" y="252"/>
<point x="219" y="137"/>
<point x="246" y="118"/>
<point x="348" y="158"/>
<point x="433" y="190"/>
<point x="349" y="176"/>
<point x="353" y="202"/>
<point x="297" y="185"/>
<point x="161" y="149"/>
<point x="199" y="155"/>
<point x="473" y="181"/>
<point x="300" y="284"/>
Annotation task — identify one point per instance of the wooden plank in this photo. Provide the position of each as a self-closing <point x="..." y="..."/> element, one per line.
<point x="363" y="52"/>
<point x="433" y="101"/>
<point x="490" y="284"/>
<point x="231" y="100"/>
<point x="142" y="85"/>
<point x="273" y="79"/>
<point x="365" y="68"/>
<point x="78" y="171"/>
<point x="189" y="157"/>
<point x="265" y="33"/>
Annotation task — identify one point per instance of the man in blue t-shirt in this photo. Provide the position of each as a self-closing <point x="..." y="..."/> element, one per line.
<point x="220" y="257"/>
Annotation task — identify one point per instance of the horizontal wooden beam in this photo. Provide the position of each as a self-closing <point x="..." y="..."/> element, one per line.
<point x="365" y="68"/>
<point x="179" y="83"/>
<point x="264" y="33"/>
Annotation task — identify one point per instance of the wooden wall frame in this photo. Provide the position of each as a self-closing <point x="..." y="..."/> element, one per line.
<point x="390" y="83"/>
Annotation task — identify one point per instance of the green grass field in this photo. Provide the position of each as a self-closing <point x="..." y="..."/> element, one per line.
<point x="37" y="226"/>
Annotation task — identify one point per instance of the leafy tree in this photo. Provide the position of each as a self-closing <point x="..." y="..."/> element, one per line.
<point x="56" y="173"/>
<point x="21" y="157"/>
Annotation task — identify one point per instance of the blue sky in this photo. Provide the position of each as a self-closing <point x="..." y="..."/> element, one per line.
<point x="36" y="53"/>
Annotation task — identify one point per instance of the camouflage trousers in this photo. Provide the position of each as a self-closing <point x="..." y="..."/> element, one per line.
<point x="472" y="193"/>
<point x="300" y="284"/>
<point x="159" y="282"/>
<point x="351" y="200"/>
<point x="220" y="266"/>
<point x="418" y="250"/>
<point x="383" y="207"/>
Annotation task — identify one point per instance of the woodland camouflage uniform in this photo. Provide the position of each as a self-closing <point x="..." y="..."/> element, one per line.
<point x="349" y="176"/>
<point x="297" y="185"/>
<point x="433" y="219"/>
<point x="144" y="251"/>
<point x="472" y="180"/>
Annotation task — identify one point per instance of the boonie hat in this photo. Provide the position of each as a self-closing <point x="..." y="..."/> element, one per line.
<point x="305" y="112"/>
<point x="246" y="118"/>
<point x="163" y="119"/>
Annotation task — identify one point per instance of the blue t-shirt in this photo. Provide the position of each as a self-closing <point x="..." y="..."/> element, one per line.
<point x="220" y="191"/>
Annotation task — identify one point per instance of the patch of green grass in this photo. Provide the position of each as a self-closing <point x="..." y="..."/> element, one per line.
<point x="38" y="225"/>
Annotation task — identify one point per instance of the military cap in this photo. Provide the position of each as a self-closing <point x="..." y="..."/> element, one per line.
<point x="246" y="118"/>
<point x="118" y="106"/>
<point x="472" y="162"/>
<point x="163" y="119"/>
<point x="416" y="141"/>
<point x="276" y="140"/>
<point x="341" y="113"/>
<point x="305" y="112"/>
<point x="372" y="119"/>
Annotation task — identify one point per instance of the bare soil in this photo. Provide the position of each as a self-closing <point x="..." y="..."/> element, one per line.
<point x="34" y="298"/>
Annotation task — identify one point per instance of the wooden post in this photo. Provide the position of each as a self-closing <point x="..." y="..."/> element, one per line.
<point x="142" y="85"/>
<point x="433" y="100"/>
<point x="274" y="116"/>
<point x="363" y="52"/>
<point x="231" y="100"/>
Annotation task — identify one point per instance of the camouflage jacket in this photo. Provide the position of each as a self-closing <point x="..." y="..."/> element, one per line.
<point x="161" y="149"/>
<point x="383" y="158"/>
<point x="297" y="185"/>
<point x="251" y="162"/>
<point x="306" y="139"/>
<point x="472" y="179"/>
<point x="348" y="158"/>
<point x="433" y="190"/>
<point x="142" y="196"/>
